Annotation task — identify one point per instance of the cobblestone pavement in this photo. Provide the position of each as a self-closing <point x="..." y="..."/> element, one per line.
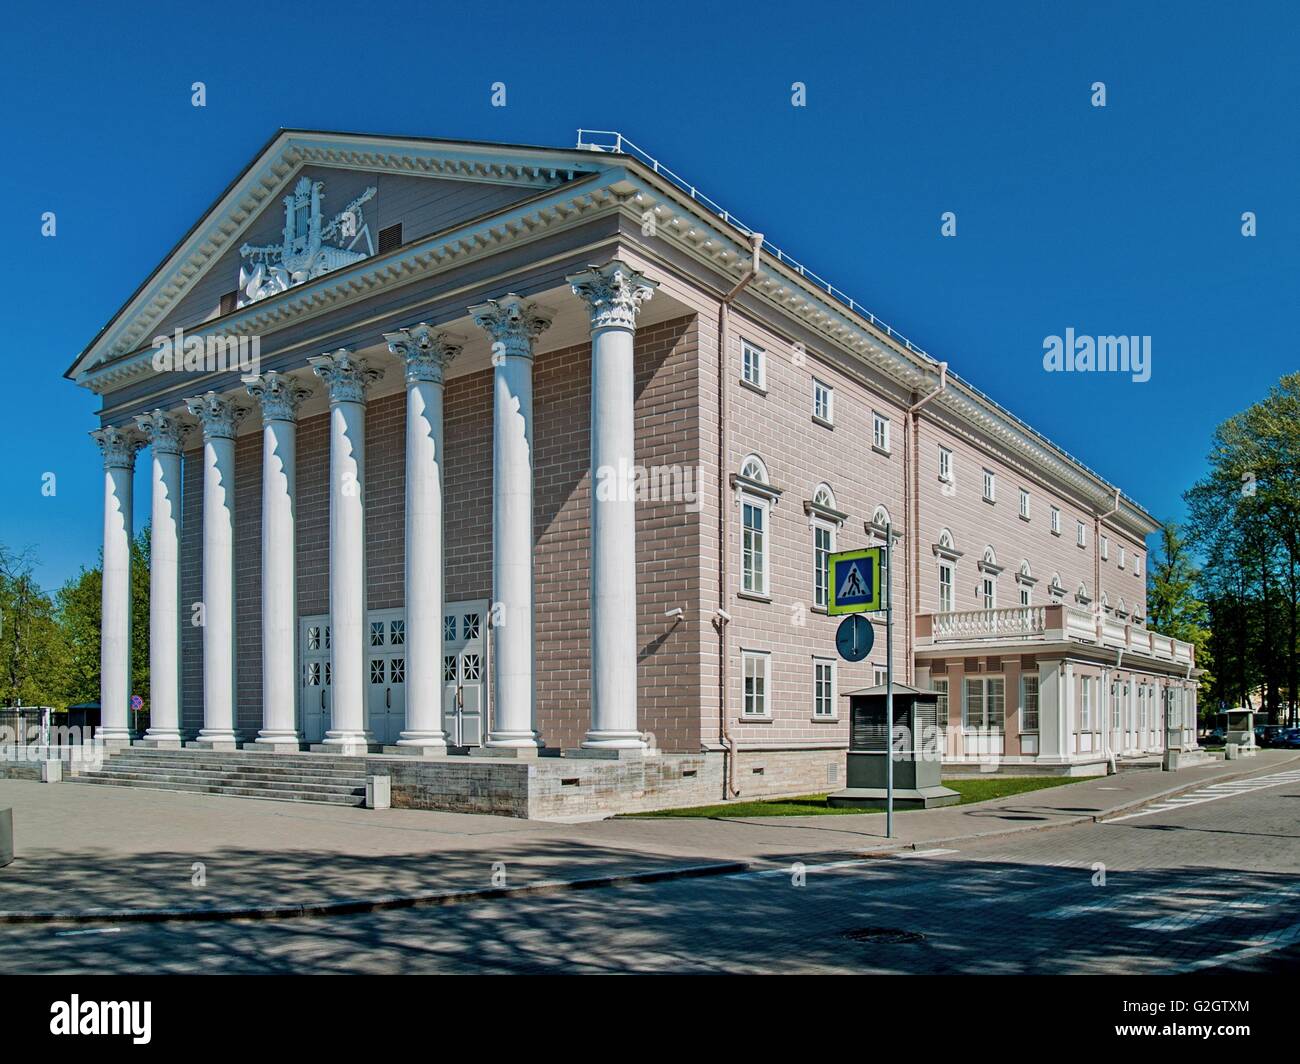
<point x="1210" y="885"/>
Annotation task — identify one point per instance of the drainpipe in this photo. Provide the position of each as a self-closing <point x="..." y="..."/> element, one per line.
<point x="1096" y="565"/>
<point x="723" y="618"/>
<point x="912" y="512"/>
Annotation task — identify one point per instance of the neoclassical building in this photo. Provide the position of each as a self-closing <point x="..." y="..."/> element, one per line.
<point x="465" y="455"/>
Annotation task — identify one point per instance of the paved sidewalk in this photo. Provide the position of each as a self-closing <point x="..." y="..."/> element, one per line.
<point x="129" y="851"/>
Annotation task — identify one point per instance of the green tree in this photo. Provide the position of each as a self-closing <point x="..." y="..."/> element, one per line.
<point x="1172" y="605"/>
<point x="31" y="645"/>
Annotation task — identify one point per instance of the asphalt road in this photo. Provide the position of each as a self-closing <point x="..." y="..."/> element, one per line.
<point x="1210" y="882"/>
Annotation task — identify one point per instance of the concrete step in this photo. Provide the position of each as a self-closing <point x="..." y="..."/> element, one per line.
<point x="340" y="786"/>
<point x="294" y="771"/>
<point x="241" y="757"/>
<point x="310" y="795"/>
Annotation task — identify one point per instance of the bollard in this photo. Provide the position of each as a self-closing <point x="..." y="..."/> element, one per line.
<point x="51" y="770"/>
<point x="379" y="792"/>
<point x="6" y="836"/>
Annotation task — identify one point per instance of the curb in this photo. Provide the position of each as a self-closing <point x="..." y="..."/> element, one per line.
<point x="1077" y="819"/>
<point x="349" y="906"/>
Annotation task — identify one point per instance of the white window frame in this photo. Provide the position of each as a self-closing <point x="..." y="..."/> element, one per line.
<point x="1137" y="565"/>
<point x="763" y="659"/>
<point x="753" y="365"/>
<point x="989" y="592"/>
<point x="821" y="567"/>
<point x="984" y="682"/>
<point x="764" y="507"/>
<point x="1026" y="595"/>
<point x="1105" y="548"/>
<point x="946" y="587"/>
<point x="940" y="687"/>
<point x="823" y="398"/>
<point x="1080" y="533"/>
<point x="990" y="486"/>
<point x="1123" y="557"/>
<point x="1056" y="520"/>
<point x="821" y="666"/>
<point x="945" y="465"/>
<point x="880" y="432"/>
<point x="879" y="675"/>
<point x="1024" y="504"/>
<point x="1025" y="680"/>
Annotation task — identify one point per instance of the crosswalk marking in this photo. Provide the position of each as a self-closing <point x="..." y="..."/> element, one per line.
<point x="1212" y="793"/>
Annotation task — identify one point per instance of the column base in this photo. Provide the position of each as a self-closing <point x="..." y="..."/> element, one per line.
<point x="161" y="740"/>
<point x="613" y="740"/>
<point x="611" y="753"/>
<point x="113" y="738"/>
<point x="419" y="744"/>
<point x="506" y="751"/>
<point x="514" y="740"/>
<point x="344" y="744"/>
<point x="276" y="742"/>
<point x="215" y="740"/>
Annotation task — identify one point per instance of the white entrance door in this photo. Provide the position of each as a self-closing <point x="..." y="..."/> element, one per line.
<point x="316" y="690"/>
<point x="464" y="672"/>
<point x="386" y="675"/>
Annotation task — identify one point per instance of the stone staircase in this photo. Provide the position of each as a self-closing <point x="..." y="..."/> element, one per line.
<point x="321" y="778"/>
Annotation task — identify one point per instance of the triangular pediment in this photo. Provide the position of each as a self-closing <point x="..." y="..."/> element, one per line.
<point x="312" y="202"/>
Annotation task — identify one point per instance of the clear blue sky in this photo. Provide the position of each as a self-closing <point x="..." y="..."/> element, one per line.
<point x="1119" y="220"/>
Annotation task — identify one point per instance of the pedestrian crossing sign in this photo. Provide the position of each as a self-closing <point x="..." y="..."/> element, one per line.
<point x="853" y="583"/>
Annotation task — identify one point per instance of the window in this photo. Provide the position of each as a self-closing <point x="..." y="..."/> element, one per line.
<point x="1024" y="595"/>
<point x="753" y="367"/>
<point x="945" y="587"/>
<point x="1122" y="557"/>
<point x="941" y="688"/>
<point x="945" y="465"/>
<point x="880" y="677"/>
<point x="1056" y="521"/>
<point x="753" y="548"/>
<point x="1085" y="706"/>
<point x="880" y="432"/>
<point x="990" y="486"/>
<point x="823" y="546"/>
<point x="1080" y="534"/>
<point x="1028" y="703"/>
<point x="229" y="303"/>
<point x="823" y="688"/>
<point x="985" y="706"/>
<point x="756" y="672"/>
<point x="1024" y="504"/>
<point x="989" y="592"/>
<point x="823" y="397"/>
<point x="1055" y="587"/>
<point x="1137" y="565"/>
<point x="1105" y="548"/>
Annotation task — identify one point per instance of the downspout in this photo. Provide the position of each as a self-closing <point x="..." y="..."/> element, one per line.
<point x="912" y="510"/>
<point x="1096" y="564"/>
<point x="723" y="618"/>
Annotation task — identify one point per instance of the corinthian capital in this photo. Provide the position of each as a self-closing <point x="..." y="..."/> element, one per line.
<point x="279" y="394"/>
<point x="427" y="352"/>
<point x="613" y="293"/>
<point x="346" y="375"/>
<point x="165" y="432"/>
<point x="217" y="415"/>
<point x="118" y="446"/>
<point x="513" y="324"/>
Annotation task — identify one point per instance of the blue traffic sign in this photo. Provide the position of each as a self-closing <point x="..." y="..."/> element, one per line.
<point x="855" y="638"/>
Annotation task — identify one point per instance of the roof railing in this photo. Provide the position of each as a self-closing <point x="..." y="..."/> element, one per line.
<point x="613" y="142"/>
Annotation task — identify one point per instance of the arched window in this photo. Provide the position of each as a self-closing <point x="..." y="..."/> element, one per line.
<point x="989" y="572"/>
<point x="824" y="497"/>
<point x="945" y="540"/>
<point x="1055" y="587"/>
<point x="752" y="468"/>
<point x="1105" y="602"/>
<point x="1081" y="593"/>
<point x="1121" y="609"/>
<point x="1025" y="578"/>
<point x="990" y="557"/>
<point x="824" y="520"/>
<point x="881" y="518"/>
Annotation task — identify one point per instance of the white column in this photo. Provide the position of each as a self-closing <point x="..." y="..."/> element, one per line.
<point x="512" y="324"/>
<point x="218" y="416"/>
<point x="347" y="377"/>
<point x="166" y="434"/>
<point x="426" y="354"/>
<point x="613" y="294"/>
<point x="280" y="396"/>
<point x="118" y="447"/>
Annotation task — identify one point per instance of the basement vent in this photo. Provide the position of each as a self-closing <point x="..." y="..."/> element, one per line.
<point x="390" y="237"/>
<point x="832" y="773"/>
<point x="688" y="773"/>
<point x="758" y="771"/>
<point x="571" y="782"/>
<point x="230" y="302"/>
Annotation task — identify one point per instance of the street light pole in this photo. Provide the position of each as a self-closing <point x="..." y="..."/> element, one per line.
<point x="889" y="681"/>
